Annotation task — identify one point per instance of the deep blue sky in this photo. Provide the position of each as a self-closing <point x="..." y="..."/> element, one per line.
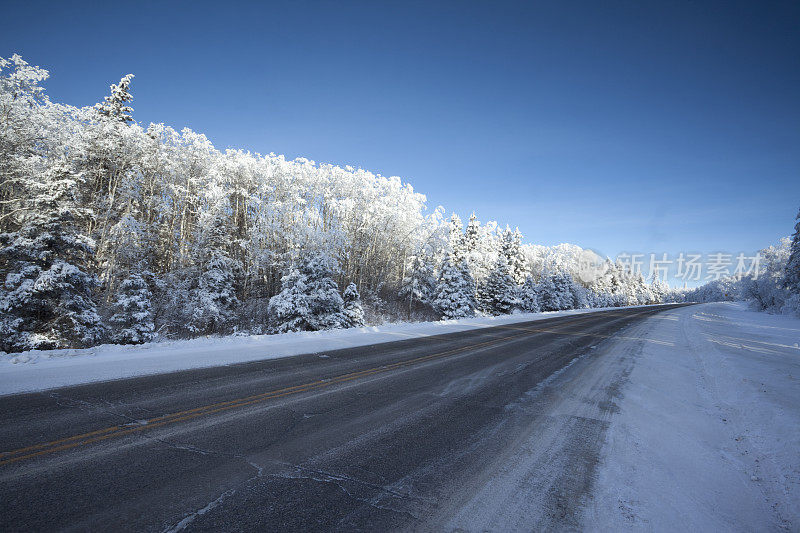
<point x="631" y="126"/>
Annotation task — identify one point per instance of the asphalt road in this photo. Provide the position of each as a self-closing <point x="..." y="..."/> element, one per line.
<point x="398" y="436"/>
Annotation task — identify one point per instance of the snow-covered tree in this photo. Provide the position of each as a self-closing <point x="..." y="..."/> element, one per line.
<point x="309" y="299"/>
<point x="418" y="283"/>
<point x="497" y="295"/>
<point x="353" y="312"/>
<point x="213" y="302"/>
<point x="132" y="321"/>
<point x="453" y="294"/>
<point x="556" y="291"/>
<point x="792" y="271"/>
<point x="528" y="295"/>
<point x="116" y="106"/>
<point x="47" y="300"/>
<point x="511" y="248"/>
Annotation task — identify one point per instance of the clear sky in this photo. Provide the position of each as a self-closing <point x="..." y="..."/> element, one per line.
<point x="630" y="126"/>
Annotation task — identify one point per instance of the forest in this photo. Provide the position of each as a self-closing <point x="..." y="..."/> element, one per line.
<point x="116" y="232"/>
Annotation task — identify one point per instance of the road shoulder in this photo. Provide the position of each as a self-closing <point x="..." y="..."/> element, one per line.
<point x="707" y="433"/>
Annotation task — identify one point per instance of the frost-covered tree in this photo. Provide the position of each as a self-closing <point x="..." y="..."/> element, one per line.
<point x="472" y="235"/>
<point x="497" y="295"/>
<point x="418" y="283"/>
<point x="511" y="249"/>
<point x="132" y="321"/>
<point x="556" y="291"/>
<point x="309" y="299"/>
<point x="47" y="300"/>
<point x="213" y="302"/>
<point x="353" y="312"/>
<point x="453" y="294"/>
<point x="115" y="105"/>
<point x="456" y="239"/>
<point x="792" y="274"/>
<point x="528" y="295"/>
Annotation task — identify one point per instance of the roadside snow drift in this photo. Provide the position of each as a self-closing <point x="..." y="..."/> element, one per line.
<point x="40" y="370"/>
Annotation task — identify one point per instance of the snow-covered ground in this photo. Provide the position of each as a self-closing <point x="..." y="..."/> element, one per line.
<point x="707" y="437"/>
<point x="40" y="370"/>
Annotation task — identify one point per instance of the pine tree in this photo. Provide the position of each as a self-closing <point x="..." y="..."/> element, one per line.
<point x="309" y="299"/>
<point x="792" y="271"/>
<point x="529" y="301"/>
<point x="472" y="235"/>
<point x="511" y="249"/>
<point x="418" y="283"/>
<point x="453" y="295"/>
<point x="116" y="105"/>
<point x="213" y="302"/>
<point x="555" y="291"/>
<point x="497" y="295"/>
<point x="353" y="312"/>
<point x="132" y="322"/>
<point x="47" y="300"/>
<point x="456" y="239"/>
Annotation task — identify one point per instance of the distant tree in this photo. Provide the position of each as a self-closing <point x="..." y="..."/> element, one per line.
<point x="555" y="291"/>
<point x="529" y="300"/>
<point x="511" y="249"/>
<point x="792" y="274"/>
<point x="497" y="295"/>
<point x="453" y="295"/>
<point x="353" y="312"/>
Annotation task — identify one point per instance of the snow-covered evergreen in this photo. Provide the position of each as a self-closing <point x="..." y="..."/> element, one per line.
<point x="47" y="299"/>
<point x="498" y="294"/>
<point x="453" y="294"/>
<point x="418" y="283"/>
<point x="353" y="312"/>
<point x="132" y="321"/>
<point x="529" y="296"/>
<point x="213" y="301"/>
<point x="309" y="299"/>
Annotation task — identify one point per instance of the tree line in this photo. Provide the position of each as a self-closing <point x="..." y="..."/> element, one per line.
<point x="112" y="231"/>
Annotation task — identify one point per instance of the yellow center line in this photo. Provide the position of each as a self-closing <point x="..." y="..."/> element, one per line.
<point x="66" y="443"/>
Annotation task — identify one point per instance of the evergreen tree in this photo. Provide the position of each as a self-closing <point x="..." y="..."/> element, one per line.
<point x="453" y="295"/>
<point x="511" y="249"/>
<point x="529" y="301"/>
<point x="116" y="105"/>
<point x="792" y="274"/>
<point x="472" y="235"/>
<point x="555" y="292"/>
<point x="497" y="295"/>
<point x="213" y="302"/>
<point x="418" y="283"/>
<point x="353" y="312"/>
<point x="456" y="239"/>
<point x="132" y="322"/>
<point x="309" y="299"/>
<point x="47" y="300"/>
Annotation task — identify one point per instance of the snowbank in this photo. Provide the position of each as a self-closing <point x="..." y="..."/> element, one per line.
<point x="40" y="370"/>
<point x="707" y="437"/>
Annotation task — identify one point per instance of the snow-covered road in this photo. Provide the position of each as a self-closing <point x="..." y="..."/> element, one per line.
<point x="707" y="436"/>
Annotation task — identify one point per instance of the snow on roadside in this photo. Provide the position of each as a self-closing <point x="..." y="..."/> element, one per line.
<point x="708" y="433"/>
<point x="40" y="370"/>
